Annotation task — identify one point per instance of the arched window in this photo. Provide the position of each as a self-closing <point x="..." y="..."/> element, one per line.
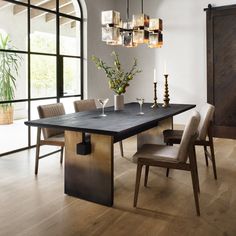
<point x="45" y="38"/>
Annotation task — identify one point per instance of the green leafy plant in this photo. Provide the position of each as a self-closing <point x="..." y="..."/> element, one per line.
<point x="9" y="65"/>
<point x="118" y="79"/>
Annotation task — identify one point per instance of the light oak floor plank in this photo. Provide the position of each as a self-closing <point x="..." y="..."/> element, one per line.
<point x="37" y="206"/>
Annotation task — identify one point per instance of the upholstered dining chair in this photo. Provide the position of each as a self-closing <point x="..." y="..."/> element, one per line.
<point x="51" y="136"/>
<point x="204" y="129"/>
<point x="89" y="104"/>
<point x="171" y="157"/>
<point x="85" y="105"/>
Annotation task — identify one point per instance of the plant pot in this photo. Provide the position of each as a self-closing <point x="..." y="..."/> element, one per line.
<point x="6" y="115"/>
<point x="118" y="102"/>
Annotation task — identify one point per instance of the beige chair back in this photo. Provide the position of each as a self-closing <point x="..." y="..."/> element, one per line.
<point x="206" y="113"/>
<point x="84" y="105"/>
<point x="190" y="130"/>
<point x="51" y="110"/>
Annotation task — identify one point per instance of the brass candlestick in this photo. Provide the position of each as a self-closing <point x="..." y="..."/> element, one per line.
<point x="166" y="93"/>
<point x="155" y="105"/>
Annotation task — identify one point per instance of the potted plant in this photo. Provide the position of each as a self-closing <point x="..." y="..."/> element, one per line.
<point x="118" y="79"/>
<point x="9" y="64"/>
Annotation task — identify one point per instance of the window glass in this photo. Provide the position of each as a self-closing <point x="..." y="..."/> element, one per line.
<point x="43" y="76"/>
<point x="43" y="32"/>
<point x="12" y="120"/>
<point x="71" y="74"/>
<point x="69" y="37"/>
<point x="18" y="20"/>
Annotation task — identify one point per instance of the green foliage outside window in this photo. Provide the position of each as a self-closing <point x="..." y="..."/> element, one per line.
<point x="43" y="68"/>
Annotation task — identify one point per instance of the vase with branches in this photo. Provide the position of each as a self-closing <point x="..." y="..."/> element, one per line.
<point x="118" y="78"/>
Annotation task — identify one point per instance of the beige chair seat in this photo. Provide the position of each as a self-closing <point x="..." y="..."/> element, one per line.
<point x="59" y="139"/>
<point x="157" y="153"/>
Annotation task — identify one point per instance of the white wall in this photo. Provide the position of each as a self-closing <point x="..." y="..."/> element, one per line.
<point x="184" y="51"/>
<point x="97" y="86"/>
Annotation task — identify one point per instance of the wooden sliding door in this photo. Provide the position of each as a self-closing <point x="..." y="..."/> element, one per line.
<point x="221" y="68"/>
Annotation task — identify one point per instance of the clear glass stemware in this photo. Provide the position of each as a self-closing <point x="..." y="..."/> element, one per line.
<point x="103" y="103"/>
<point x="140" y="101"/>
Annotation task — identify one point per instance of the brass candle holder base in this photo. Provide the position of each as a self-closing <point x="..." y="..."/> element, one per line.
<point x="155" y="105"/>
<point x="166" y="99"/>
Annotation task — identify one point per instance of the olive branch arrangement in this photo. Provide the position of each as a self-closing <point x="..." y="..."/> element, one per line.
<point x="118" y="79"/>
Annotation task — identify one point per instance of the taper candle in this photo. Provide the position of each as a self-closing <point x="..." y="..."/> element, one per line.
<point x="154" y="74"/>
<point x="165" y="70"/>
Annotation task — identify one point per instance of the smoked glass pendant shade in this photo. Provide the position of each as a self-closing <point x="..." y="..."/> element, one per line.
<point x="110" y="18"/>
<point x="140" y="36"/>
<point x="128" y="40"/>
<point x="140" y="20"/>
<point x="110" y="34"/>
<point x="155" y="40"/>
<point x="155" y="24"/>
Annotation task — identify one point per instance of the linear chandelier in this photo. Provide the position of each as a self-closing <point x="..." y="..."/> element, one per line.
<point x="140" y="30"/>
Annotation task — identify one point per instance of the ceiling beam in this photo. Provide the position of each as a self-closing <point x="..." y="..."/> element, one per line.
<point x="68" y="9"/>
<point x="65" y="21"/>
<point x="4" y="4"/>
<point x="73" y="24"/>
<point x="19" y="8"/>
<point x="36" y="13"/>
<point x="48" y="4"/>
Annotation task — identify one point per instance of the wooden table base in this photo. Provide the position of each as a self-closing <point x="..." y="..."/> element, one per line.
<point x="89" y="177"/>
<point x="155" y="135"/>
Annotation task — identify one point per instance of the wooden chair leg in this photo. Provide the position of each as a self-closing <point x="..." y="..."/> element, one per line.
<point x="62" y="151"/>
<point x="146" y="176"/>
<point x="137" y="183"/>
<point x="205" y="152"/>
<point x="37" y="160"/>
<point x="213" y="157"/>
<point x="195" y="182"/>
<point x="37" y="151"/>
<point x="196" y="169"/>
<point x="195" y="190"/>
<point x="167" y="172"/>
<point x="121" y="149"/>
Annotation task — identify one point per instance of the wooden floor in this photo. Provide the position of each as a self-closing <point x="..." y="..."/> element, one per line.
<point x="37" y="206"/>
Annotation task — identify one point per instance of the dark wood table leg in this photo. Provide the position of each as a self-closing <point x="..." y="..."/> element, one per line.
<point x="91" y="176"/>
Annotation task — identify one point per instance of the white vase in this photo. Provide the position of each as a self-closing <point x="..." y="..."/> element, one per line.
<point x="118" y="102"/>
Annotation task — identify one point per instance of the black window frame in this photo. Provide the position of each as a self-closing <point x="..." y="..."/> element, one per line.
<point x="59" y="61"/>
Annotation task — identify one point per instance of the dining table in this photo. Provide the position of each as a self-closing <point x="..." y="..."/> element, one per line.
<point x="90" y="139"/>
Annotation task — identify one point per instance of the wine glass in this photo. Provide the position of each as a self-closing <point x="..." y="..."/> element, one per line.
<point x="103" y="103"/>
<point x="140" y="101"/>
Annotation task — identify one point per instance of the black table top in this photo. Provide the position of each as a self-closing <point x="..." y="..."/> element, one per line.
<point x="121" y="124"/>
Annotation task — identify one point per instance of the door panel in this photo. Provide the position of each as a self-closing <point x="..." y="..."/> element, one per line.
<point x="221" y="33"/>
